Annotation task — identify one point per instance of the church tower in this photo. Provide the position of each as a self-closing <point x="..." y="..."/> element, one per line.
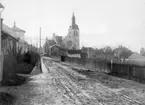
<point x="72" y="38"/>
<point x="73" y="19"/>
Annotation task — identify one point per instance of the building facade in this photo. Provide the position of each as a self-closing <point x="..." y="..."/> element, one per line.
<point x="19" y="32"/>
<point x="71" y="41"/>
<point x="9" y="41"/>
<point x="21" y="35"/>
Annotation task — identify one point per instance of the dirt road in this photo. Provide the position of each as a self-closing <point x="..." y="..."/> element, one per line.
<point x="65" y="84"/>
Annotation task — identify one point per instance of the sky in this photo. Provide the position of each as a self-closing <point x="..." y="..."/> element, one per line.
<point x="101" y="22"/>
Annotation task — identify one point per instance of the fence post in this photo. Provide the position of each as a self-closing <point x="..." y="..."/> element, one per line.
<point x="134" y="73"/>
<point x="111" y="64"/>
<point x="121" y="67"/>
<point x="128" y="71"/>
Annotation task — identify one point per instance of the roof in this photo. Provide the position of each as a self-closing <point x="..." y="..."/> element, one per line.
<point x="74" y="55"/>
<point x="136" y="58"/>
<point x="17" y="29"/>
<point x="74" y="26"/>
<point x="51" y="42"/>
<point x="53" y="46"/>
<point x="57" y="39"/>
<point x="9" y="31"/>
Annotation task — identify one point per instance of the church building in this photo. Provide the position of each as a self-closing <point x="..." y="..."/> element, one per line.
<point x="71" y="41"/>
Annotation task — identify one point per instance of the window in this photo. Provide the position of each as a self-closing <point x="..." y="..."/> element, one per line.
<point x="74" y="33"/>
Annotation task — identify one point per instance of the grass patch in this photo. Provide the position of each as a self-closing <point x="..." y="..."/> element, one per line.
<point x="6" y="99"/>
<point x="14" y="81"/>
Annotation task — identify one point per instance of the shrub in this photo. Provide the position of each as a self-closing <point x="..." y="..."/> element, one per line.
<point x="34" y="57"/>
<point x="14" y="64"/>
<point x="9" y="66"/>
<point x="31" y="57"/>
<point x="24" y="68"/>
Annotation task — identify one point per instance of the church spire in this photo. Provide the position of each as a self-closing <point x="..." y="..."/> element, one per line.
<point x="73" y="19"/>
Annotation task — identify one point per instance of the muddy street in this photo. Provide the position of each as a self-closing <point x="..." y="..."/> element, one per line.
<point x="66" y="84"/>
<point x="81" y="90"/>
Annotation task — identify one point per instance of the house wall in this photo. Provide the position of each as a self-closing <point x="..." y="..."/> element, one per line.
<point x="22" y="46"/>
<point x="55" y="51"/>
<point x="20" y="35"/>
<point x="8" y="44"/>
<point x="21" y="43"/>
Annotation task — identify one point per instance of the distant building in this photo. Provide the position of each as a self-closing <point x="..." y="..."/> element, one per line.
<point x="71" y="41"/>
<point x="19" y="32"/>
<point x="9" y="41"/>
<point x="21" y="35"/>
<point x="54" y="50"/>
<point x="90" y="52"/>
<point x="136" y="58"/>
<point x="48" y="44"/>
<point x="58" y="40"/>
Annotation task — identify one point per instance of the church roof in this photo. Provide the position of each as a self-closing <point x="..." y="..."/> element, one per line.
<point x="75" y="26"/>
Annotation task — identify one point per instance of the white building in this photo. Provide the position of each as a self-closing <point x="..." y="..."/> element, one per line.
<point x="71" y="41"/>
<point x="21" y="35"/>
<point x="19" y="32"/>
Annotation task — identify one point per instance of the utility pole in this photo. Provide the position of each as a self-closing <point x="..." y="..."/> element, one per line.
<point x="37" y="48"/>
<point x="1" y="54"/>
<point x="31" y="45"/>
<point x="40" y="42"/>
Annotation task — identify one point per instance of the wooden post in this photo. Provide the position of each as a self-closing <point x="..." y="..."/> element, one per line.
<point x="128" y="70"/>
<point x="111" y="64"/>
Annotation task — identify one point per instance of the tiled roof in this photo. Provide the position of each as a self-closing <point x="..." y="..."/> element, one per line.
<point x="9" y="31"/>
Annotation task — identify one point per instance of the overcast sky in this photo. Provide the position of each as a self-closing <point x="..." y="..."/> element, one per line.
<point x="101" y="22"/>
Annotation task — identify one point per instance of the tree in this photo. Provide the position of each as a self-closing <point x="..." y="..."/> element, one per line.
<point x="122" y="52"/>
